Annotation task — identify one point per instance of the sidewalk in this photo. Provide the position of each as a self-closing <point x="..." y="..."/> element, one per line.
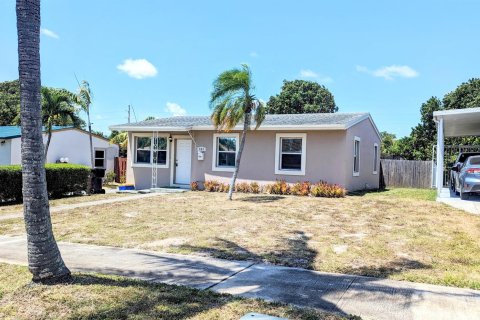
<point x="66" y="207"/>
<point x="370" y="298"/>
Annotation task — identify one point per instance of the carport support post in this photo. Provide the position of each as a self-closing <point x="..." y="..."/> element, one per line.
<point x="440" y="154"/>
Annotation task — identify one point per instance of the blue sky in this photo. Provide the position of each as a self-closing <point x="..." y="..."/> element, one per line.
<point x="384" y="57"/>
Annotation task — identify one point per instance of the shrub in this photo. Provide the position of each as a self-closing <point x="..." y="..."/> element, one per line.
<point x="194" y="186"/>
<point x="279" y="187"/>
<point x="110" y="177"/>
<point x="301" y="188"/>
<point x="255" y="187"/>
<point x="211" y="185"/>
<point x="323" y="189"/>
<point x="123" y="179"/>
<point x="223" y="187"/>
<point x="62" y="179"/>
<point x="243" y="187"/>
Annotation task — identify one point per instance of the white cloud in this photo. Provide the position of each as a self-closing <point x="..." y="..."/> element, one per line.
<point x="175" y="109"/>
<point x="138" y="68"/>
<point x="306" y="73"/>
<point x="390" y="72"/>
<point x="253" y="54"/>
<point x="49" y="33"/>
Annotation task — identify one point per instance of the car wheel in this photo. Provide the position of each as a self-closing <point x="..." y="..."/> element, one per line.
<point x="464" y="195"/>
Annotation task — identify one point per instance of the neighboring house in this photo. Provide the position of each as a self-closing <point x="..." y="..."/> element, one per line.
<point x="67" y="142"/>
<point x="341" y="148"/>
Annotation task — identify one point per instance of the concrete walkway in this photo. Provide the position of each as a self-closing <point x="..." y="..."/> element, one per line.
<point x="370" y="298"/>
<point x="66" y="207"/>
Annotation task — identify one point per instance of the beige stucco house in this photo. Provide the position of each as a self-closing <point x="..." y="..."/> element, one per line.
<point x="341" y="148"/>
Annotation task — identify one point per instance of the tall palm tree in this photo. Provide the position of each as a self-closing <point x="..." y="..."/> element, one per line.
<point x="232" y="101"/>
<point x="57" y="109"/>
<point x="84" y="99"/>
<point x="44" y="259"/>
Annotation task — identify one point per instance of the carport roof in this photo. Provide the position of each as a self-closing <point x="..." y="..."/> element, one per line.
<point x="459" y="122"/>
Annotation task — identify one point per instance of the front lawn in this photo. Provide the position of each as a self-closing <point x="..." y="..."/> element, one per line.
<point x="398" y="234"/>
<point x="7" y="208"/>
<point x="92" y="296"/>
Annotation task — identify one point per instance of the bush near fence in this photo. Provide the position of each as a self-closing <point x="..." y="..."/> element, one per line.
<point x="62" y="179"/>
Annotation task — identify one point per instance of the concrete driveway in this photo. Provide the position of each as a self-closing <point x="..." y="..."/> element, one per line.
<point x="472" y="205"/>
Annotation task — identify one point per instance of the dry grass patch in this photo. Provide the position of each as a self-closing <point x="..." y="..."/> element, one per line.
<point x="398" y="234"/>
<point x="92" y="296"/>
<point x="14" y="208"/>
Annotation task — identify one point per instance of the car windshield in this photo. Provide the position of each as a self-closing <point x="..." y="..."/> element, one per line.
<point x="474" y="160"/>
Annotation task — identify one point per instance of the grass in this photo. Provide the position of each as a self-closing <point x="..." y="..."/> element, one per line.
<point x="398" y="234"/>
<point x="18" y="207"/>
<point x="92" y="296"/>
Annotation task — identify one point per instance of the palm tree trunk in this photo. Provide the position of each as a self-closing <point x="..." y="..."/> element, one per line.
<point x="44" y="259"/>
<point x="246" y="125"/>
<point x="90" y="136"/>
<point x="47" y="145"/>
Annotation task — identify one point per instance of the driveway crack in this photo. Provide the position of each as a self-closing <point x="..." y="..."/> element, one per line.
<point x="230" y="276"/>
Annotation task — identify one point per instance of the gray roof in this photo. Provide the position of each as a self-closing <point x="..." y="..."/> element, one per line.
<point x="317" y="120"/>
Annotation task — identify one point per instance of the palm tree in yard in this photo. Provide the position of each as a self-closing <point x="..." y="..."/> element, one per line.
<point x="57" y="108"/>
<point x="84" y="99"/>
<point x="44" y="259"/>
<point x="233" y="102"/>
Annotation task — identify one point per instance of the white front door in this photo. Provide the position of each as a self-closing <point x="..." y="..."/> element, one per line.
<point x="183" y="161"/>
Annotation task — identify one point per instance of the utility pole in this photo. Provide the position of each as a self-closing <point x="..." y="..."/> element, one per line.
<point x="128" y="113"/>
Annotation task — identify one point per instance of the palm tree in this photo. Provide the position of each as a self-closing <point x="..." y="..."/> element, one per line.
<point x="57" y="109"/>
<point x="44" y="259"/>
<point x="84" y="99"/>
<point x="232" y="101"/>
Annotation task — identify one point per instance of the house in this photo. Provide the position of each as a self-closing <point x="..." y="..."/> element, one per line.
<point x="341" y="148"/>
<point x="67" y="143"/>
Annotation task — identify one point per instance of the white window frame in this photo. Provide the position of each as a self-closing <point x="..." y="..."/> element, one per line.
<point x="356" y="173"/>
<point x="375" y="158"/>
<point x="104" y="157"/>
<point x="215" y="153"/>
<point x="278" y="138"/>
<point x="149" y="135"/>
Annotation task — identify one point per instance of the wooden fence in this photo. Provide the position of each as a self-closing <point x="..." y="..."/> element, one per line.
<point x="120" y="168"/>
<point x="407" y="173"/>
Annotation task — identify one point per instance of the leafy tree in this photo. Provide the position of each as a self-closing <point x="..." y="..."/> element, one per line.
<point x="57" y="109"/>
<point x="232" y="102"/>
<point x="9" y="102"/>
<point x="388" y="142"/>
<point x="120" y="138"/>
<point x="44" y="259"/>
<point x="149" y="118"/>
<point x="84" y="99"/>
<point x="300" y="96"/>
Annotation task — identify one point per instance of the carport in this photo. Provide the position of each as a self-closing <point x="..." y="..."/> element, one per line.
<point x="453" y="123"/>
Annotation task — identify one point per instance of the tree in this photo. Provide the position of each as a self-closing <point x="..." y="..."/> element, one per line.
<point x="120" y="138"/>
<point x="232" y="101"/>
<point x="57" y="109"/>
<point x="300" y="96"/>
<point x="44" y="259"/>
<point x="84" y="99"/>
<point x="9" y="102"/>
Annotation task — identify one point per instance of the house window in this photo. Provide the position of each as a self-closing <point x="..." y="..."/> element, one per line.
<point x="225" y="147"/>
<point x="356" y="156"/>
<point x="375" y="158"/>
<point x="143" y="149"/>
<point x="290" y="153"/>
<point x="99" y="158"/>
<point x="149" y="150"/>
<point x="160" y="151"/>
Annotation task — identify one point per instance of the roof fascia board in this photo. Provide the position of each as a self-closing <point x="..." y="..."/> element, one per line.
<point x="212" y="128"/>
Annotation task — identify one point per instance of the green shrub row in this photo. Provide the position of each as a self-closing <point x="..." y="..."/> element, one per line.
<point x="280" y="187"/>
<point x="62" y="179"/>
